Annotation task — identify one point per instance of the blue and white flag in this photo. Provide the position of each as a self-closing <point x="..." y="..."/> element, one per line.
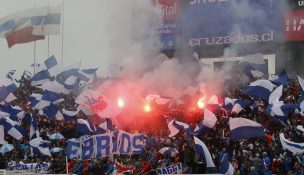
<point x="41" y="145"/>
<point x="239" y="106"/>
<point x="35" y="100"/>
<point x="4" y="114"/>
<point x="277" y="107"/>
<point x="90" y="73"/>
<point x="301" y="82"/>
<point x="43" y="20"/>
<point x="47" y="70"/>
<point x="48" y="24"/>
<point x="229" y="103"/>
<point x="173" y="130"/>
<point x="254" y="66"/>
<point x="295" y="148"/>
<point x="167" y="151"/>
<point x="281" y="79"/>
<point x="52" y="97"/>
<point x="259" y="88"/>
<point x="15" y="112"/>
<point x="67" y="72"/>
<point x="69" y="115"/>
<point x="226" y="167"/>
<point x="207" y="123"/>
<point x="182" y="126"/>
<point x="252" y="72"/>
<point x="12" y="128"/>
<point x="34" y="130"/>
<point x="50" y="62"/>
<point x="51" y="65"/>
<point x="242" y="128"/>
<point x="41" y="77"/>
<point x="54" y="86"/>
<point x="300" y="127"/>
<point x="6" y="148"/>
<point x="84" y="127"/>
<point x="52" y="112"/>
<point x="6" y="96"/>
<point x="204" y="153"/>
<point x="9" y="84"/>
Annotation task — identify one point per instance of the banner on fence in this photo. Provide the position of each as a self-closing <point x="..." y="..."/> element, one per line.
<point x="104" y="145"/>
<point x="173" y="169"/>
<point x="12" y="165"/>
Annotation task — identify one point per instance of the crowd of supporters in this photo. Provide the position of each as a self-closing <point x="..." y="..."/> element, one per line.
<point x="263" y="155"/>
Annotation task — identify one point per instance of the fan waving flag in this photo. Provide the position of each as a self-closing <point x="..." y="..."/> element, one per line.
<point x="260" y="88"/>
<point x="34" y="130"/>
<point x="277" y="107"/>
<point x="204" y="153"/>
<point x="83" y="127"/>
<point x="69" y="115"/>
<point x="52" y="112"/>
<point x="295" y="148"/>
<point x="239" y="106"/>
<point x="242" y="128"/>
<point x="41" y="145"/>
<point x="226" y="167"/>
<point x="281" y="79"/>
<point x="182" y="126"/>
<point x="229" y="103"/>
<point x="5" y="95"/>
<point x="207" y="123"/>
<point x="12" y="128"/>
<point x="173" y="130"/>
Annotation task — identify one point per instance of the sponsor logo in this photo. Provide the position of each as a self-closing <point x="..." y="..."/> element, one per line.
<point x="170" y="9"/>
<point x="232" y="39"/>
<point x="300" y="3"/>
<point x="294" y="25"/>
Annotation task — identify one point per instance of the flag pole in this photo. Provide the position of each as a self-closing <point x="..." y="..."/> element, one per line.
<point x="48" y="34"/>
<point x="34" y="57"/>
<point x="66" y="165"/>
<point x="35" y="51"/>
<point x="62" y="31"/>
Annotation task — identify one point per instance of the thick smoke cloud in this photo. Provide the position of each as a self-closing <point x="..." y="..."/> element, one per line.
<point x="138" y="69"/>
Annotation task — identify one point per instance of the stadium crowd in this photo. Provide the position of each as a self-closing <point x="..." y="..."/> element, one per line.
<point x="254" y="156"/>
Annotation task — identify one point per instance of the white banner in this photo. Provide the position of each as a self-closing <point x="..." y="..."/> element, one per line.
<point x="172" y="169"/>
